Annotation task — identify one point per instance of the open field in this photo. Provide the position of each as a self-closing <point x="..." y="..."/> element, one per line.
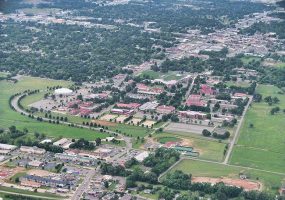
<point x="166" y="139"/>
<point x="270" y="181"/>
<point x="3" y="74"/>
<point x="130" y="130"/>
<point x="186" y="128"/>
<point x="238" y="83"/>
<point x="9" y="117"/>
<point x="208" y="149"/>
<point x="171" y="75"/>
<point x="26" y="192"/>
<point x="248" y="59"/>
<point x="263" y="145"/>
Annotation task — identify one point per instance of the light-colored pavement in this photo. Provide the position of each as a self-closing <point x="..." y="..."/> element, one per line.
<point x="234" y="140"/>
<point x="190" y="88"/>
<point x="84" y="185"/>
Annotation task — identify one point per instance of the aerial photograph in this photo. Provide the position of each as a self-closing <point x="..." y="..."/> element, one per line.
<point x="142" y="100"/>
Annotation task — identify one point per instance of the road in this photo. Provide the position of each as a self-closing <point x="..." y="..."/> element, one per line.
<point x="16" y="99"/>
<point x="84" y="185"/>
<point x="234" y="140"/>
<point x="190" y="88"/>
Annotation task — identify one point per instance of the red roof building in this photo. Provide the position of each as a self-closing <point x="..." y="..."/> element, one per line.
<point x="142" y="87"/>
<point x="206" y="90"/>
<point x="165" y="109"/>
<point x="85" y="111"/>
<point x="74" y="111"/>
<point x="86" y="104"/>
<point x="129" y="105"/>
<point x="195" y="100"/>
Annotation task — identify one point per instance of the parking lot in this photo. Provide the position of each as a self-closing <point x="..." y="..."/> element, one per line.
<point x="187" y="128"/>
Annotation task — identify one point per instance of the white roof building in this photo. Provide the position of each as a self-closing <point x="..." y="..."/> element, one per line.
<point x="63" y="91"/>
<point x="7" y="147"/>
<point x="140" y="157"/>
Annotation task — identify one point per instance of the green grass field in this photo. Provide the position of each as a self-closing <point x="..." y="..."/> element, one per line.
<point x="247" y="59"/>
<point x="26" y="192"/>
<point x="270" y="181"/>
<point x="9" y="117"/>
<point x="171" y="75"/>
<point x="166" y="139"/>
<point x="263" y="145"/>
<point x="209" y="149"/>
<point x="240" y="84"/>
<point x="280" y="65"/>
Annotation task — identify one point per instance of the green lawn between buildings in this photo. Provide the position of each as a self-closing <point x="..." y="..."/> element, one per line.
<point x="263" y="145"/>
<point x="9" y="117"/>
<point x="130" y="130"/>
<point x="270" y="181"/>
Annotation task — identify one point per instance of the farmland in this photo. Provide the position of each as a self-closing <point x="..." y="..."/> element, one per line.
<point x="9" y="117"/>
<point x="265" y="137"/>
<point x="270" y="181"/>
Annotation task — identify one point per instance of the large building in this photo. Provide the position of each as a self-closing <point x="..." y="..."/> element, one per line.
<point x="195" y="100"/>
<point x="6" y="148"/>
<point x="192" y="115"/>
<point x="32" y="150"/>
<point x="63" y="91"/>
<point x="165" y="109"/>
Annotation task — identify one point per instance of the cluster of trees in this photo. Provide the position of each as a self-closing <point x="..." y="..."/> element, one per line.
<point x="11" y="135"/>
<point x="161" y="160"/>
<point x="271" y="100"/>
<point x="83" y="144"/>
<point x="191" y="64"/>
<point x="220" y="191"/>
<point x="139" y="175"/>
<point x="241" y="106"/>
<point x="249" y="90"/>
<point x="117" y="170"/>
<point x="223" y="136"/>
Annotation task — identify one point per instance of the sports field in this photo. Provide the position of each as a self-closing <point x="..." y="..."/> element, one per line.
<point x="9" y="117"/>
<point x="209" y="149"/>
<point x="263" y="145"/>
<point x="270" y="181"/>
<point x="171" y="75"/>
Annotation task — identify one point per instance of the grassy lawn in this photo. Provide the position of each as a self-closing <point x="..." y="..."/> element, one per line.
<point x="3" y="74"/>
<point x="271" y="181"/>
<point x="26" y="192"/>
<point x="133" y="131"/>
<point x="18" y="175"/>
<point x="166" y="139"/>
<point x="280" y="65"/>
<point x="9" y="117"/>
<point x="266" y="139"/>
<point x="171" y="75"/>
<point x="240" y="84"/>
<point x="247" y="59"/>
<point x="208" y="149"/>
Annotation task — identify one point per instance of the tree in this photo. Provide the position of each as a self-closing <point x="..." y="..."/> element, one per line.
<point x="206" y="133"/>
<point x="98" y="141"/>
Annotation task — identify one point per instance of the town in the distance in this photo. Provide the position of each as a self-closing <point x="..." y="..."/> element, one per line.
<point x="140" y="99"/>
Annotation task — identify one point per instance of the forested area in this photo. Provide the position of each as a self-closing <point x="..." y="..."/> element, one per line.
<point x="63" y="51"/>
